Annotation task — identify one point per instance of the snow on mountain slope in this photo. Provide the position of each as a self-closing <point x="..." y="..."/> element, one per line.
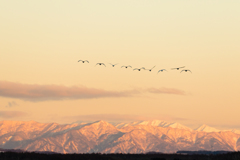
<point x="119" y="125"/>
<point x="101" y="136"/>
<point x="152" y="123"/>
<point x="235" y="131"/>
<point x="206" y="128"/>
<point x="157" y="123"/>
<point x="178" y="126"/>
<point x="98" y="129"/>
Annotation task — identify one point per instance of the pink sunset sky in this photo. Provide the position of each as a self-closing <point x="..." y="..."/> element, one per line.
<point x="42" y="80"/>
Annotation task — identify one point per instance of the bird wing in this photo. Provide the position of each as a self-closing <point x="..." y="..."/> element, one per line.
<point x="135" y="68"/>
<point x="182" y="70"/>
<point x="123" y="66"/>
<point x="189" y="71"/>
<point x="87" y="61"/>
<point x="79" y="60"/>
<point x="153" y="67"/>
<point x="181" y="67"/>
<point x="174" y="68"/>
<point x="129" y="66"/>
<point x="103" y="64"/>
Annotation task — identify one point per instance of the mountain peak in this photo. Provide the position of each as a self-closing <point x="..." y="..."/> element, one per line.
<point x="178" y="126"/>
<point x="100" y="122"/>
<point x="206" y="128"/>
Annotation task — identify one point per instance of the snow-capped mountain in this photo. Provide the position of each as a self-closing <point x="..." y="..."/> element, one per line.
<point x="235" y="131"/>
<point x="206" y="128"/>
<point x="156" y="123"/>
<point x="104" y="137"/>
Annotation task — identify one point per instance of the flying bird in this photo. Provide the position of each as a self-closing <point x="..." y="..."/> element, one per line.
<point x="178" y="68"/>
<point x="113" y="65"/>
<point x="83" y="61"/>
<point x="100" y="64"/>
<point x="186" y="70"/>
<point x="161" y="70"/>
<point x="139" y="69"/>
<point x="127" y="66"/>
<point x="150" y="69"/>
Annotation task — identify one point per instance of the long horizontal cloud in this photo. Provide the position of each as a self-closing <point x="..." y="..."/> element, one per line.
<point x="164" y="90"/>
<point x="55" y="92"/>
<point x="34" y="92"/>
<point x="107" y="117"/>
<point x="120" y="118"/>
<point x="12" y="114"/>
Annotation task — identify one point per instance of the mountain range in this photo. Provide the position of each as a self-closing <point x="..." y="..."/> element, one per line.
<point x="104" y="137"/>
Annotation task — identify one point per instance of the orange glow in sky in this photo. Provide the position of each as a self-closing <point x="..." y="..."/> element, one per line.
<point x="42" y="80"/>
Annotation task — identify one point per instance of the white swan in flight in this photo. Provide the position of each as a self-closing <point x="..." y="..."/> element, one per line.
<point x="113" y="65"/>
<point x="83" y="61"/>
<point x="151" y="69"/>
<point x="100" y="64"/>
<point x="185" y="70"/>
<point x="127" y="66"/>
<point x="139" y="69"/>
<point x="161" y="70"/>
<point x="178" y="68"/>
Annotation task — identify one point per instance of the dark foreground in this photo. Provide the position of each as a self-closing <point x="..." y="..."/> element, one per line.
<point x="55" y="156"/>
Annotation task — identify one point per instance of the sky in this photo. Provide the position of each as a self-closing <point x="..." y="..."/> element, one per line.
<point x="42" y="80"/>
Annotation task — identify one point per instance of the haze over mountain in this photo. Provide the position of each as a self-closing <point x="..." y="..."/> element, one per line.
<point x="104" y="137"/>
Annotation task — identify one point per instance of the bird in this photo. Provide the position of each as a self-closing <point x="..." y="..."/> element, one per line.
<point x="126" y="66"/>
<point x="139" y="69"/>
<point x="150" y="69"/>
<point x="186" y="70"/>
<point x="178" y="68"/>
<point x="113" y="65"/>
<point x="83" y="61"/>
<point x="161" y="70"/>
<point x="100" y="64"/>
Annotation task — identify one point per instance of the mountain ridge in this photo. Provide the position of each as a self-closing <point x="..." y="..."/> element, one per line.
<point x="104" y="137"/>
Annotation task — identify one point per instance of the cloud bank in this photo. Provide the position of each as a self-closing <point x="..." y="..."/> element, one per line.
<point x="55" y="92"/>
<point x="164" y="90"/>
<point x="120" y="118"/>
<point x="34" y="92"/>
<point x="108" y="117"/>
<point x="12" y="114"/>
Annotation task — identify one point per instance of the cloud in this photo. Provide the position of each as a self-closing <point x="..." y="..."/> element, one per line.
<point x="55" y="92"/>
<point x="164" y="90"/>
<point x="34" y="92"/>
<point x="11" y="104"/>
<point x="12" y="114"/>
<point x="120" y="118"/>
<point x="108" y="117"/>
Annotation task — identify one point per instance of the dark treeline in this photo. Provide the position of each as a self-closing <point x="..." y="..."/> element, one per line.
<point x="98" y="156"/>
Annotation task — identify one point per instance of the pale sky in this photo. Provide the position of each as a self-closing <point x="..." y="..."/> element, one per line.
<point x="42" y="80"/>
